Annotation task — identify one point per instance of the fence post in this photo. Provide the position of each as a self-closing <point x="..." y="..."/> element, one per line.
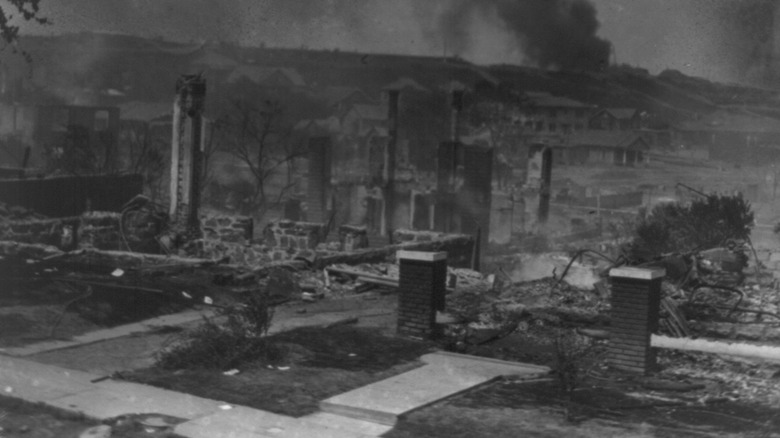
<point x="421" y="290"/>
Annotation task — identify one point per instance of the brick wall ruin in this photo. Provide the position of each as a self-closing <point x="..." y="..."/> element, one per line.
<point x="100" y="230"/>
<point x="231" y="237"/>
<point x="54" y="232"/>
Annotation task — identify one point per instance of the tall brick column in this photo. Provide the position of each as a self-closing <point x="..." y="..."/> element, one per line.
<point x="636" y="299"/>
<point x="420" y="292"/>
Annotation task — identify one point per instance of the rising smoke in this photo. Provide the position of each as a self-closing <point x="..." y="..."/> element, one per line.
<point x="548" y="33"/>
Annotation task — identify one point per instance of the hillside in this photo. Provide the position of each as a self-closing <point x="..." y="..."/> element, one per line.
<point x="143" y="69"/>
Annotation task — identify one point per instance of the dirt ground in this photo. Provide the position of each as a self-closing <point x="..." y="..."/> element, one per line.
<point x="317" y="363"/>
<point x="42" y="301"/>
<point x="680" y="400"/>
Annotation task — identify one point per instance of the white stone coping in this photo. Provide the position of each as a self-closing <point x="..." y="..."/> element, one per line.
<point x="638" y="273"/>
<point x="423" y="256"/>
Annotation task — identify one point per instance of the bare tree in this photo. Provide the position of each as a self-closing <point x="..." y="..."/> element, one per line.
<point x="28" y="10"/>
<point x="146" y="156"/>
<point x="259" y="136"/>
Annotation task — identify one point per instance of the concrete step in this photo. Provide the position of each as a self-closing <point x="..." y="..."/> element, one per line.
<point x="240" y="422"/>
<point x="443" y="376"/>
<point x="346" y="423"/>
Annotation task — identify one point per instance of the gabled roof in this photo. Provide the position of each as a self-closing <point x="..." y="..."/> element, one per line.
<point x="336" y="94"/>
<point x="374" y="131"/>
<point x="370" y="112"/>
<point x="618" y="113"/>
<point x="328" y="125"/>
<point x="547" y="100"/>
<point x="601" y="138"/>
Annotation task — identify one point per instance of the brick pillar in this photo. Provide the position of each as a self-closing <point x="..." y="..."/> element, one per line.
<point x="421" y="292"/>
<point x="636" y="299"/>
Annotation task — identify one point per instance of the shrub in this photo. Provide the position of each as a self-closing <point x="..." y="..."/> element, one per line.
<point x="241" y="338"/>
<point x="705" y="223"/>
<point x="571" y="351"/>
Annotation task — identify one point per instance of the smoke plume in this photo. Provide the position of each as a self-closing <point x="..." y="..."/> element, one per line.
<point x="548" y="33"/>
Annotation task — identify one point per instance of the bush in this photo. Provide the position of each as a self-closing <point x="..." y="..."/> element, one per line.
<point x="571" y="352"/>
<point x="241" y="338"/>
<point x="705" y="223"/>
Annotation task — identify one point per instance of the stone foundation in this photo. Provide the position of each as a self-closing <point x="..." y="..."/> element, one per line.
<point x="353" y="237"/>
<point x="234" y="229"/>
<point x="295" y="236"/>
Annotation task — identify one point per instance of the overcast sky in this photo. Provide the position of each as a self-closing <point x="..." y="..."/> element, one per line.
<point x="687" y="35"/>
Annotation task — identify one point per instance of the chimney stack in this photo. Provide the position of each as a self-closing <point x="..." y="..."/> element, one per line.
<point x="186" y="154"/>
<point x="390" y="157"/>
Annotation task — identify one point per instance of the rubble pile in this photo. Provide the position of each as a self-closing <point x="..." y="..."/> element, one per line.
<point x="338" y="280"/>
<point x="545" y="299"/>
<point x="721" y="295"/>
<point x="726" y="377"/>
<point x="17" y="213"/>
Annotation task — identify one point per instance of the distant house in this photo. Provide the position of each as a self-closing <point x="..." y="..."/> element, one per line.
<point x="93" y="128"/>
<point x="616" y="119"/>
<point x="268" y="76"/>
<point x="339" y="99"/>
<point x="545" y="113"/>
<point x="729" y="136"/>
<point x="601" y="147"/>
<point x="360" y="118"/>
<point x="318" y="127"/>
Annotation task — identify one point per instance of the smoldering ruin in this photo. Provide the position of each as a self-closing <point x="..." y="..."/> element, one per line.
<point x="278" y="234"/>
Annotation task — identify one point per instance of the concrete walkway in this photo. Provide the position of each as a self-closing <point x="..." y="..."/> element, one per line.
<point x="365" y="412"/>
<point x="378" y="405"/>
<point x="443" y="376"/>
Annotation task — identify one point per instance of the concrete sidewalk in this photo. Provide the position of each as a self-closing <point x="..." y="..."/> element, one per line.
<point x="365" y="412"/>
<point x="80" y="392"/>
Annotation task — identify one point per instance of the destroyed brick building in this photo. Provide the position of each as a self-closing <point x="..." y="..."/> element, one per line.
<point x="557" y="237"/>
